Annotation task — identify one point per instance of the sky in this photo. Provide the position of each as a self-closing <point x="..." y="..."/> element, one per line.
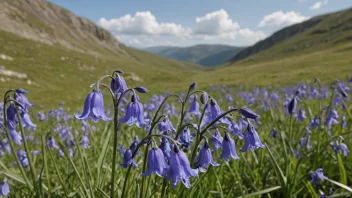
<point x="146" y="23"/>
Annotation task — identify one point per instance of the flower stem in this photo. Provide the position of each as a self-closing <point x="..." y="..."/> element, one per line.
<point x="29" y="155"/>
<point x="126" y="178"/>
<point x="113" y="164"/>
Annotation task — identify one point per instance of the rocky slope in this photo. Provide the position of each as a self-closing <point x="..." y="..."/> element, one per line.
<point x="43" y="21"/>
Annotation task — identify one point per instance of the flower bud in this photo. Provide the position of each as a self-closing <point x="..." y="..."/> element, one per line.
<point x="204" y="98"/>
<point x="141" y="89"/>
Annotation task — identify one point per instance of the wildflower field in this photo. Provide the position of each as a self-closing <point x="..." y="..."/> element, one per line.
<point x="224" y="142"/>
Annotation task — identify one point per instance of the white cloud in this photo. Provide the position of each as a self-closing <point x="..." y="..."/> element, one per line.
<point x="317" y="5"/>
<point x="251" y="36"/>
<point x="141" y="23"/>
<point x="143" y="29"/>
<point x="215" y="23"/>
<point x="281" y="18"/>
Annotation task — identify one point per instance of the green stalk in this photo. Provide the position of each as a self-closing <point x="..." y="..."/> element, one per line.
<point x="29" y="155"/>
<point x="125" y="182"/>
<point x="45" y="164"/>
<point x="112" y="182"/>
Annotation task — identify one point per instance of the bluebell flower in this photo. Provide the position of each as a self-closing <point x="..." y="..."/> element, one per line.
<point x="166" y="126"/>
<point x="292" y="105"/>
<point x="15" y="136"/>
<point x="321" y="194"/>
<point x="251" y="139"/>
<point x="316" y="176"/>
<point x="228" y="148"/>
<point x="235" y="129"/>
<point x="331" y="119"/>
<point x="51" y="143"/>
<point x="141" y="89"/>
<point x="185" y="138"/>
<point x="216" y="140"/>
<point x="11" y="113"/>
<point x="193" y="85"/>
<point x="41" y="116"/>
<point x="305" y="142"/>
<point x="20" y="98"/>
<point x="134" y="113"/>
<point x="204" y="98"/>
<point x="127" y="159"/>
<point x="213" y="111"/>
<point x="229" y="98"/>
<point x="94" y="107"/>
<point x="204" y="158"/>
<point x="274" y="133"/>
<point x="179" y="169"/>
<point x="343" y="122"/>
<point x="274" y="97"/>
<point x="26" y="120"/>
<point x="301" y="115"/>
<point x="194" y="107"/>
<point x="165" y="146"/>
<point x="134" y="144"/>
<point x="22" y="156"/>
<point x="314" y="123"/>
<point x="35" y="153"/>
<point x="156" y="162"/>
<point x="247" y="113"/>
<point x="118" y="85"/>
<point x="85" y="142"/>
<point x="344" y="149"/>
<point x="4" y="188"/>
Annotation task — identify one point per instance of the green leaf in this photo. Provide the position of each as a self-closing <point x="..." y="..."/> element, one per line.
<point x="343" y="176"/>
<point x="339" y="184"/>
<point x="311" y="189"/>
<point x="278" y="170"/>
<point x="262" y="192"/>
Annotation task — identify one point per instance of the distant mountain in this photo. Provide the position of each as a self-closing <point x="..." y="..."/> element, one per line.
<point x="311" y="35"/>
<point x="206" y="55"/>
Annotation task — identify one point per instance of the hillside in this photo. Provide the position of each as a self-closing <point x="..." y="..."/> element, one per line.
<point x="206" y="55"/>
<point x="318" y="33"/>
<point x="39" y="52"/>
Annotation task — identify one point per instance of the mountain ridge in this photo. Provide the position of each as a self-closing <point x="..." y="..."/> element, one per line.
<point x="203" y="54"/>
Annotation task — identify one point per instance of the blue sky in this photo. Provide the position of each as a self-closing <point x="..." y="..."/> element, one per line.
<point x="146" y="23"/>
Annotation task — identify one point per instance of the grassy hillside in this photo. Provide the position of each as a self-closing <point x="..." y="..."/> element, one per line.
<point x="326" y="64"/>
<point x="206" y="55"/>
<point x="319" y="33"/>
<point x="56" y="74"/>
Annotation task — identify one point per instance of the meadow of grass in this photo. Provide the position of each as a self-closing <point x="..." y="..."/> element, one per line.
<point x="301" y="129"/>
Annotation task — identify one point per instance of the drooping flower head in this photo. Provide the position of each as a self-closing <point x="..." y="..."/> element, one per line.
<point x="85" y="142"/>
<point x="179" y="169"/>
<point x="251" y="139"/>
<point x="316" y="176"/>
<point x="118" y="85"/>
<point x="292" y="105"/>
<point x="166" y="126"/>
<point x="216" y="140"/>
<point x="94" y="107"/>
<point x="274" y="133"/>
<point x="247" y="113"/>
<point x="235" y="128"/>
<point x="20" y="98"/>
<point x="305" y="142"/>
<point x="156" y="162"/>
<point x="165" y="146"/>
<point x="228" y="148"/>
<point x="185" y="138"/>
<point x="301" y="115"/>
<point x="332" y="117"/>
<point x="127" y="158"/>
<point x="22" y="156"/>
<point x="205" y="158"/>
<point x="4" y="188"/>
<point x="194" y="107"/>
<point x="52" y="144"/>
<point x="134" y="113"/>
